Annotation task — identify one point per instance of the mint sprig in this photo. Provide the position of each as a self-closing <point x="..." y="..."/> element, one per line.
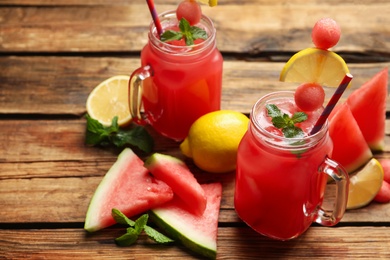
<point x="136" y="228"/>
<point x="97" y="134"/>
<point x="285" y="123"/>
<point x="190" y="33"/>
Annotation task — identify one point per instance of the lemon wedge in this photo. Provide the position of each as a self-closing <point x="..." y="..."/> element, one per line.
<point x="365" y="184"/>
<point x="209" y="2"/>
<point x="314" y="65"/>
<point x="110" y="99"/>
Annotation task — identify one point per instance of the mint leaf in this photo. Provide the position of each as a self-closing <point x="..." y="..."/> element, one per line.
<point x="138" y="136"/>
<point x="127" y="239"/>
<point x="299" y="117"/>
<point x="188" y="32"/>
<point x="121" y="218"/>
<point x="293" y="132"/>
<point x="273" y="111"/>
<point x="198" y="33"/>
<point x="279" y="122"/>
<point x="157" y="236"/>
<point x="170" y="35"/>
<point x="140" y="223"/>
<point x="97" y="134"/>
<point x="136" y="228"/>
<point x="285" y="123"/>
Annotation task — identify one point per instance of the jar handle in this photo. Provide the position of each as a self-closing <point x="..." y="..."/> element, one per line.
<point x="135" y="92"/>
<point x="340" y="176"/>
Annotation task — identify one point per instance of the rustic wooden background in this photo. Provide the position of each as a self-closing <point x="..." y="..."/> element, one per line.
<point x="54" y="52"/>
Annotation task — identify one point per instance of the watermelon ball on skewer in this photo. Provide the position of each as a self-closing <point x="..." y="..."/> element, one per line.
<point x="309" y="96"/>
<point x="326" y="33"/>
<point x="189" y="10"/>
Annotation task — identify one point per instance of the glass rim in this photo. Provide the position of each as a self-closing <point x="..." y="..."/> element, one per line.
<point x="282" y="141"/>
<point x="182" y="50"/>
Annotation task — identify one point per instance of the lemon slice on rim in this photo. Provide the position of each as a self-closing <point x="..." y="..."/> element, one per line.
<point x="314" y="65"/>
<point x="365" y="184"/>
<point x="110" y="99"/>
<point x="209" y="2"/>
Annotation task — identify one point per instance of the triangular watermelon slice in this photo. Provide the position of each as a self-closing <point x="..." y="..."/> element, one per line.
<point x="198" y="233"/>
<point x="350" y="149"/>
<point x="176" y="174"/>
<point x="128" y="187"/>
<point x="368" y="106"/>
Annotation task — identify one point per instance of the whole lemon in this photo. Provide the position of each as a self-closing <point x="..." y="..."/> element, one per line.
<point x="213" y="140"/>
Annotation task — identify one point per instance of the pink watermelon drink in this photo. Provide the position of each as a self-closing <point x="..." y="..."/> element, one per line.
<point x="280" y="181"/>
<point x="182" y="82"/>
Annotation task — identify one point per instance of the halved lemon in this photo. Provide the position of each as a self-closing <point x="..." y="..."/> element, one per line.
<point x="209" y="2"/>
<point x="314" y="65"/>
<point x="365" y="184"/>
<point x="110" y="99"/>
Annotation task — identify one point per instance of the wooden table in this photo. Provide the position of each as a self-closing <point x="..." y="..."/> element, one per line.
<point x="53" y="53"/>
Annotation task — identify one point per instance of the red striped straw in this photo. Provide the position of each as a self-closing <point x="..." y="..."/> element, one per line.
<point x="331" y="104"/>
<point x="154" y="14"/>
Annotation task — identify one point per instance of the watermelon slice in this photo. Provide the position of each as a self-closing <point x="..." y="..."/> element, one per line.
<point x="350" y="149"/>
<point x="127" y="186"/>
<point x="368" y="106"/>
<point x="198" y="233"/>
<point x="176" y="174"/>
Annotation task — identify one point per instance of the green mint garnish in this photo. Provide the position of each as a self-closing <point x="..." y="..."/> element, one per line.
<point x="190" y="33"/>
<point x="285" y="123"/>
<point x="135" y="229"/>
<point x="97" y="134"/>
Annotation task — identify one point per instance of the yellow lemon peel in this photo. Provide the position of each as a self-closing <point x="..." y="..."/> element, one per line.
<point x="213" y="140"/>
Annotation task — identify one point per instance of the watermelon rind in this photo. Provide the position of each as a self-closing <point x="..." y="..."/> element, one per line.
<point x="128" y="187"/>
<point x="92" y="217"/>
<point x="188" y="228"/>
<point x="185" y="234"/>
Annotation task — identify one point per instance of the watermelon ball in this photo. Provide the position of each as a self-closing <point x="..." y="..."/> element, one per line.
<point x="189" y="10"/>
<point x="383" y="195"/>
<point x="326" y="33"/>
<point x="309" y="96"/>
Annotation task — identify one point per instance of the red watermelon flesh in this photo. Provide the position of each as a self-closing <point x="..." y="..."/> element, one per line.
<point x="349" y="146"/>
<point x="176" y="174"/>
<point x="128" y="187"/>
<point x="198" y="233"/>
<point x="368" y="106"/>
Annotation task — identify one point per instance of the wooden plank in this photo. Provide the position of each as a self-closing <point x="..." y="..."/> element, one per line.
<point x="31" y="141"/>
<point x="233" y="243"/>
<point x="266" y="28"/>
<point x="63" y="199"/>
<point x="60" y="85"/>
<point x="172" y="2"/>
<point x="46" y="164"/>
<point x="62" y="191"/>
<point x="58" y="140"/>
